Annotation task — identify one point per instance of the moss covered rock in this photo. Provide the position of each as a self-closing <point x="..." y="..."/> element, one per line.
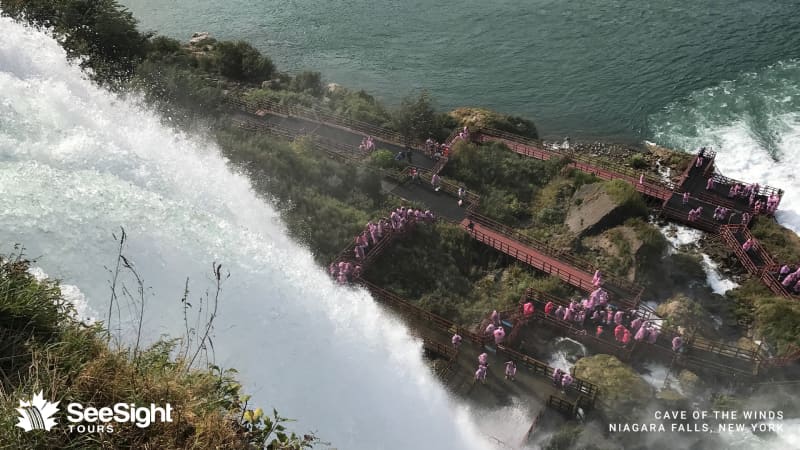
<point x="599" y="206"/>
<point x="622" y="391"/>
<point x="477" y="118"/>
<point x="681" y="311"/>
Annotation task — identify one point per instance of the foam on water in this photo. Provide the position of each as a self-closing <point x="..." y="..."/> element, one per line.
<point x="76" y="164"/>
<point x="752" y="122"/>
<point x="680" y="236"/>
<point x="718" y="283"/>
<point x="72" y="294"/>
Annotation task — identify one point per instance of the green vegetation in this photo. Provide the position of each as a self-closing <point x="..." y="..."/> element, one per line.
<point x="506" y="181"/>
<point x="417" y="120"/>
<point x="310" y="189"/>
<point x="624" y="391"/>
<point x="44" y="348"/>
<point x="783" y="244"/>
<point x="630" y="201"/>
<point x="484" y="118"/>
<point x="681" y="311"/>
<point x="777" y="321"/>
<point x="468" y="279"/>
<point x="638" y="161"/>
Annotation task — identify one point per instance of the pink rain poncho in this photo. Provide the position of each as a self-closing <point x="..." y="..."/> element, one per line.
<point x="677" y="343"/>
<point x="527" y="309"/>
<point x="499" y="335"/>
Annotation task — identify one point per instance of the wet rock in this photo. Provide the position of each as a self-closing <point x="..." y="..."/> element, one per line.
<point x="622" y="390"/>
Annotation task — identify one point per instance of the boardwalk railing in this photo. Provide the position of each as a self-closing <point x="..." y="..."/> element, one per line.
<point x="622" y="287"/>
<point x="403" y="305"/>
<point x="735" y="356"/>
<point x="579" y="386"/>
<point x="729" y="233"/>
<point x="679" y="216"/>
<point x="604" y="169"/>
<point x="260" y="107"/>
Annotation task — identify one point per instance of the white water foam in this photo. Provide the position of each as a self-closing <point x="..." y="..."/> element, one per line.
<point x="679" y="237"/>
<point x="72" y="294"/>
<point x="76" y="164"/>
<point x="753" y="123"/>
<point x="718" y="283"/>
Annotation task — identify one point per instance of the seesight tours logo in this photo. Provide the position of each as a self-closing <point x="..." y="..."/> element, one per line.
<point x="38" y="414"/>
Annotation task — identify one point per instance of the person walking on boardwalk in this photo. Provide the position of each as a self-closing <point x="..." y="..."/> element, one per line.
<point x="677" y="344"/>
<point x="710" y="184"/>
<point x="560" y="312"/>
<point x="527" y="310"/>
<point x="511" y="370"/>
<point x="566" y="381"/>
<point x="483" y="359"/>
<point x="436" y="181"/>
<point x="548" y="308"/>
<point x="557" y="375"/>
<point x="619" y="331"/>
<point x="456" y="340"/>
<point x="480" y="374"/>
<point x="685" y="198"/>
<point x="499" y="335"/>
<point x="626" y="337"/>
<point x="489" y="329"/>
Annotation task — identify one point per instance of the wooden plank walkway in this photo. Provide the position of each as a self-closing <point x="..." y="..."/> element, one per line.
<point x="542" y="257"/>
<point x="659" y="189"/>
<point x="580" y="394"/>
<point x="574" y="272"/>
<point x="701" y="353"/>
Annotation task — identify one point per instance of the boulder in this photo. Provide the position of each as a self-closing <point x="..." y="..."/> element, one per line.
<point x="623" y="392"/>
<point x="683" y="312"/>
<point x="198" y="38"/>
<point x="593" y="208"/>
<point x="477" y="118"/>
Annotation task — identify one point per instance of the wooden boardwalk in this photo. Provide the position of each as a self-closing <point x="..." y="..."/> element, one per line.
<point x="548" y="260"/>
<point x="538" y="255"/>
<point x="580" y="394"/>
<point x="671" y="195"/>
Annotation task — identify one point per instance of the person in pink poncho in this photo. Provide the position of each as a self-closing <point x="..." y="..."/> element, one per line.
<point x="499" y="335"/>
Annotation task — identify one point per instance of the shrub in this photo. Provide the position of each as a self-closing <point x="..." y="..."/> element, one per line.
<point x="308" y="82"/>
<point x="637" y="161"/>
<point x="241" y="61"/>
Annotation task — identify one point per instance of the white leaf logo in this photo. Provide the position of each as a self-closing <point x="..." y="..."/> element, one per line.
<point x="37" y="414"/>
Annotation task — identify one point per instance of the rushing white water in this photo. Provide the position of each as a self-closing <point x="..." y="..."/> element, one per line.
<point x="680" y="236"/>
<point x="76" y="164"/>
<point x="753" y="123"/>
